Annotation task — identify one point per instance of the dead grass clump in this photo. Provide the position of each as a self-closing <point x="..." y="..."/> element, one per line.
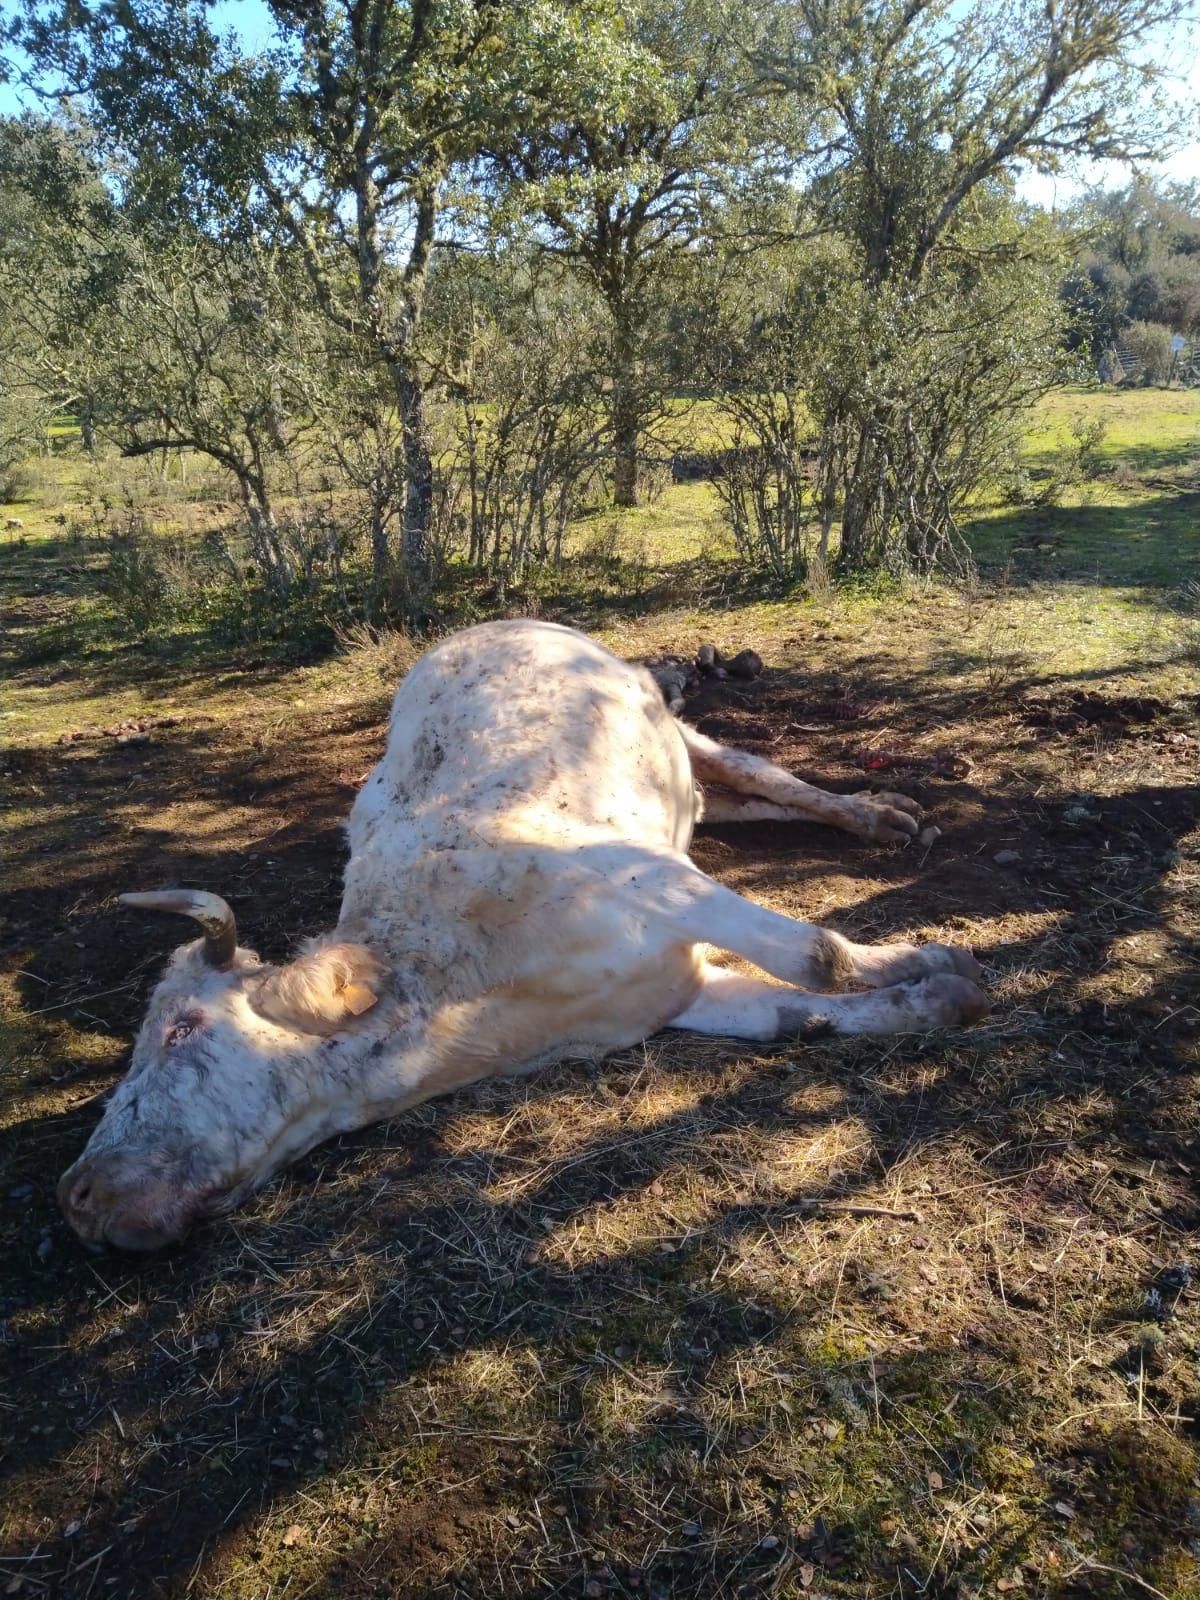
<point x="380" y="656"/>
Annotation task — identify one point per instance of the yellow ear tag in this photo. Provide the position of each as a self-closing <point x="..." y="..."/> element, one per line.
<point x="358" y="998"/>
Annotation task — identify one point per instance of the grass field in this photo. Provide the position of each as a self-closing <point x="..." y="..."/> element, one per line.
<point x="868" y="1319"/>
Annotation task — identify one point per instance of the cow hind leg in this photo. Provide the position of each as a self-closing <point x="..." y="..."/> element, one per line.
<point x="704" y="911"/>
<point x="732" y="1005"/>
<point x="882" y="818"/>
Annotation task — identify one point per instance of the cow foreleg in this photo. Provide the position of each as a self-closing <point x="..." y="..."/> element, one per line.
<point x="724" y="806"/>
<point x="739" y="1007"/>
<point x="883" y="818"/>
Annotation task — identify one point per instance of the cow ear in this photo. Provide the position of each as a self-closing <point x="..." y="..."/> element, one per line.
<point x="321" y="992"/>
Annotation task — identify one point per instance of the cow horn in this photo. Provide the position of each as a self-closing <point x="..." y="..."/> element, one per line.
<point x="209" y="910"/>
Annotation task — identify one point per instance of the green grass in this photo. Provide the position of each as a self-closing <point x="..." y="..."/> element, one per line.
<point x="1145" y="429"/>
<point x="1089" y="579"/>
<point x="1113" y="529"/>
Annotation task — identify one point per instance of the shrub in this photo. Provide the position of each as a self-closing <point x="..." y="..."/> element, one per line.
<point x="155" y="583"/>
<point x="1150" y="342"/>
<point x="1068" y="466"/>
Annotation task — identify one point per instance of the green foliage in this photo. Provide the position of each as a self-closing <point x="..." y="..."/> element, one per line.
<point x="882" y="409"/>
<point x="632" y="184"/>
<point x="52" y="206"/>
<point x="159" y="585"/>
<point x="345" y="134"/>
<point x="20" y="427"/>
<point x="761" y="367"/>
<point x="1139" y="260"/>
<point x="944" y="321"/>
<point x="450" y="266"/>
<point x="1063" y="470"/>
<point x="915" y="106"/>
<point x="133" y="580"/>
<point x="1096" y="296"/>
<point x="524" y="425"/>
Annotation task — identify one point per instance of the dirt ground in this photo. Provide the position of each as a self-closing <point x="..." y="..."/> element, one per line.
<point x="903" y="1317"/>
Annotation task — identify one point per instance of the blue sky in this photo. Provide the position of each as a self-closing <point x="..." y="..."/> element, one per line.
<point x="1181" y="52"/>
<point x="1178" y="50"/>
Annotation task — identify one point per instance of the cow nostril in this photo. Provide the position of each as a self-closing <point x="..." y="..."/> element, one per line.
<point x="81" y="1194"/>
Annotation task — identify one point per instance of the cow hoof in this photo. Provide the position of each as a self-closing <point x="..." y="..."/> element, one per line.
<point x="897" y="802"/>
<point x="883" y="823"/>
<point x="952" y="958"/>
<point x="953" y="1001"/>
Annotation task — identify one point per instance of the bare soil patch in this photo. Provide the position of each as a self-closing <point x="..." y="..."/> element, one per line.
<point x="1085" y="708"/>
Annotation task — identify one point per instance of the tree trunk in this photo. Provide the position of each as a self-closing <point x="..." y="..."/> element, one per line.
<point x="626" y="413"/>
<point x="860" y="500"/>
<point x="380" y="554"/>
<point x="418" y="478"/>
<point x="625" y="453"/>
<point x="265" y="542"/>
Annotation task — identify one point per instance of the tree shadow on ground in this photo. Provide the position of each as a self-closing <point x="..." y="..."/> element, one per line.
<point x="1151" y="541"/>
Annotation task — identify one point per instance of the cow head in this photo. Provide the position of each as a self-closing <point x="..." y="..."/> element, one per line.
<point x="239" y="1067"/>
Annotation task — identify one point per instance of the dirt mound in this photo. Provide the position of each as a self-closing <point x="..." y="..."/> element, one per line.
<point x="1084" y="708"/>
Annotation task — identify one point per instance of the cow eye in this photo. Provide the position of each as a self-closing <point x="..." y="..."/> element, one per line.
<point x="179" y="1032"/>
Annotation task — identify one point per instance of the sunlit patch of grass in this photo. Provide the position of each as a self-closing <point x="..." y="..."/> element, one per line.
<point x="1143" y="428"/>
<point x="673" y="527"/>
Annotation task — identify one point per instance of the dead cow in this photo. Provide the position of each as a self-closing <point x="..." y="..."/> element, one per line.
<point x="518" y="891"/>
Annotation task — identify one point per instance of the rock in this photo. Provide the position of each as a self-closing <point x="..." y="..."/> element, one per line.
<point x="1178" y="1277"/>
<point x="1080" y="813"/>
<point x="1006" y="858"/>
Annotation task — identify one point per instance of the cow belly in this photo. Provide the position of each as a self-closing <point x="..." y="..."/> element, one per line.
<point x="520" y="1026"/>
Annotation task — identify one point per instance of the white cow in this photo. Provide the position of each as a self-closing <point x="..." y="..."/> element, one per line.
<point x="518" y="891"/>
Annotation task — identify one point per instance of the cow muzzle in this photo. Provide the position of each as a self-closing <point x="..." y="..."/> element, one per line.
<point x="132" y="1201"/>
